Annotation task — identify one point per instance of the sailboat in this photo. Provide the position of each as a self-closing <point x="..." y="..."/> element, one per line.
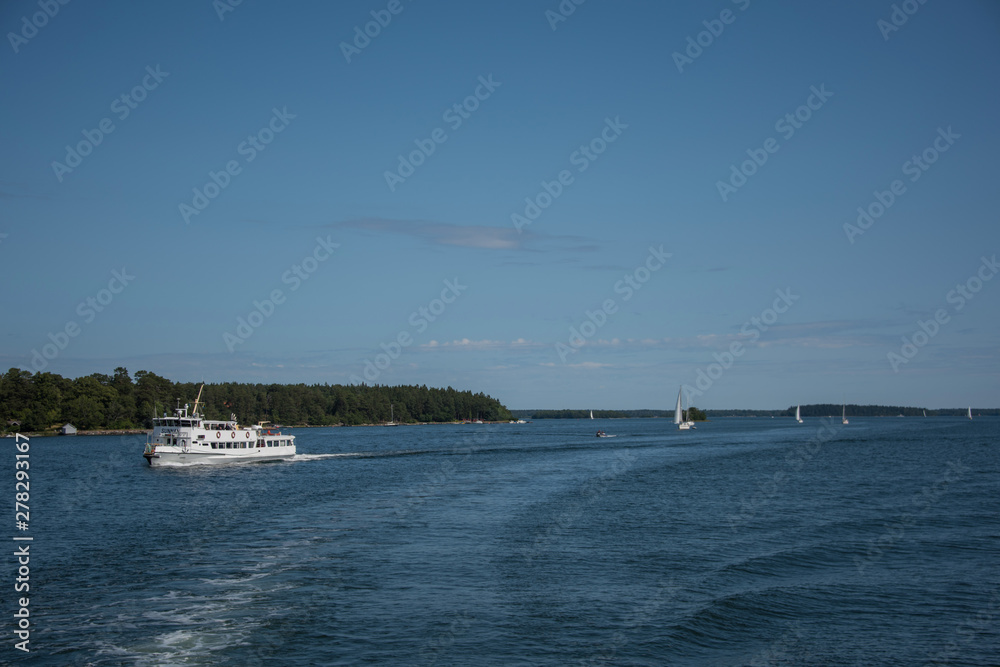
<point x="970" y="412"/>
<point x="925" y="413"/>
<point x="679" y="414"/>
<point x="843" y="415"/>
<point x="392" y="420"/>
<point x="798" y="414"/>
<point x="591" y="414"/>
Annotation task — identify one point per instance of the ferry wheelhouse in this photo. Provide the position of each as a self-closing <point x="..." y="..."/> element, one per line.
<point x="191" y="439"/>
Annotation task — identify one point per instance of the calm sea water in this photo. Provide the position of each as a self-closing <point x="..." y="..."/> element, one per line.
<point x="745" y="542"/>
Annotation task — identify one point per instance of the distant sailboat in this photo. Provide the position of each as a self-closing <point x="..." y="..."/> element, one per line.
<point x="392" y="419"/>
<point x="925" y="413"/>
<point x="970" y="412"/>
<point x="591" y="414"/>
<point x="679" y="414"/>
<point x="798" y="414"/>
<point x="843" y="415"/>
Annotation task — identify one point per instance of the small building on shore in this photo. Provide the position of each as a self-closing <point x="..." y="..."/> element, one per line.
<point x="67" y="429"/>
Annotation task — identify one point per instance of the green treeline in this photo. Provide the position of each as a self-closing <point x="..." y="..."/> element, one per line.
<point x="815" y="410"/>
<point x="830" y="409"/>
<point x="696" y="414"/>
<point x="44" y="400"/>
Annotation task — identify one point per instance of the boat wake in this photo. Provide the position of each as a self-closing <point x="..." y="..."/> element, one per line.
<point x="357" y="455"/>
<point x="320" y="457"/>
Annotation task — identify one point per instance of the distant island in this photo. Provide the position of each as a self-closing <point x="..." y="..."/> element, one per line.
<point x="42" y="402"/>
<point x="815" y="410"/>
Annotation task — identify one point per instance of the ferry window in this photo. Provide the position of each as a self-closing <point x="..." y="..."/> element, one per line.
<point x="213" y="445"/>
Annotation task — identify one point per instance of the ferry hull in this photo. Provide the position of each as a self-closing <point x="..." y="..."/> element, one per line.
<point x="177" y="458"/>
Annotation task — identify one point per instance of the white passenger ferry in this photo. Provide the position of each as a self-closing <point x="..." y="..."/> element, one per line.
<point x="190" y="439"/>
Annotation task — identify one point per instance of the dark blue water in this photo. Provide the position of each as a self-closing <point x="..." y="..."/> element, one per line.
<point x="745" y="542"/>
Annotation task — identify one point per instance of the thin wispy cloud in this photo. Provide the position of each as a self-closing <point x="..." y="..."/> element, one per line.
<point x="443" y="233"/>
<point x="11" y="190"/>
<point x="485" y="237"/>
<point x="485" y="344"/>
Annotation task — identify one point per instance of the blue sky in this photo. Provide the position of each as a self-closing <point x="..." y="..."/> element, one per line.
<point x="598" y="100"/>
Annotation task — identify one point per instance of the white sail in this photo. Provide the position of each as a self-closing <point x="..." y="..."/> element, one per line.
<point x="970" y="412"/>
<point x="591" y="414"/>
<point x="843" y="415"/>
<point x="679" y="414"/>
<point x="798" y="414"/>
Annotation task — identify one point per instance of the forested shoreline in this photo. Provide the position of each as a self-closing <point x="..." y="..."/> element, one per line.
<point x="813" y="410"/>
<point x="42" y="401"/>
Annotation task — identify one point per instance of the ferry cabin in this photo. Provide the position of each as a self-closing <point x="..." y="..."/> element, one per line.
<point x="181" y="432"/>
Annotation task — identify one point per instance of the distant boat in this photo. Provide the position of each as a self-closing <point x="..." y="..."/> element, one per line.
<point x="591" y="414"/>
<point x="970" y="412"/>
<point x="798" y="414"/>
<point x="679" y="414"/>
<point x="925" y="413"/>
<point x="843" y="415"/>
<point x="392" y="419"/>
